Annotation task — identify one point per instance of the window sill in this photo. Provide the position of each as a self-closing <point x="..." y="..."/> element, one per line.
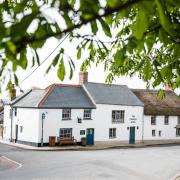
<point x="66" y="119"/>
<point x="87" y="119"/>
<point x="166" y="124"/>
<point x="117" y="122"/>
<point x="153" y="124"/>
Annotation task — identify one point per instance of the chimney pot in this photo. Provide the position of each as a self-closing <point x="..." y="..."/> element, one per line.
<point x="168" y="87"/>
<point x="13" y="94"/>
<point x="83" y="77"/>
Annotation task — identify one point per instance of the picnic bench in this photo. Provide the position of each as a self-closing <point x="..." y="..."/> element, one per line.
<point x="66" y="140"/>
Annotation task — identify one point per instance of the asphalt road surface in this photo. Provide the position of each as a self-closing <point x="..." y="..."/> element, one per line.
<point x="155" y="163"/>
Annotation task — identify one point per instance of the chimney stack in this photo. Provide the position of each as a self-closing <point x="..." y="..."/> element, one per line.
<point x="83" y="77"/>
<point x="13" y="92"/>
<point x="168" y="87"/>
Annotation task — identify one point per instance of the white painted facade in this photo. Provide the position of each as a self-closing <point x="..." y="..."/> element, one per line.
<point x="30" y="120"/>
<point x="168" y="131"/>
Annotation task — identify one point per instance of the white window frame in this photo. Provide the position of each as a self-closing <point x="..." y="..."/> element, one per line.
<point x="178" y="120"/>
<point x="21" y="129"/>
<point x="87" y="114"/>
<point x="65" y="132"/>
<point x="66" y="114"/>
<point x="118" y="116"/>
<point x="153" y="132"/>
<point x="166" y="120"/>
<point x="112" y="133"/>
<point x="153" y="118"/>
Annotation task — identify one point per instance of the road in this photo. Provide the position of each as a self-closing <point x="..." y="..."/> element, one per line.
<point x="153" y="163"/>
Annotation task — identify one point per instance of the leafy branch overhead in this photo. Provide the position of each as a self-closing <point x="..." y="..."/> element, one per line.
<point x="142" y="37"/>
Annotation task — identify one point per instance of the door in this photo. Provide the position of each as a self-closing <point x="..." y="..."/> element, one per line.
<point x="16" y="134"/>
<point x="90" y="136"/>
<point x="132" y="135"/>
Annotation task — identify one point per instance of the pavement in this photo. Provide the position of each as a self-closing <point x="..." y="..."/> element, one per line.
<point x="157" y="163"/>
<point x="97" y="146"/>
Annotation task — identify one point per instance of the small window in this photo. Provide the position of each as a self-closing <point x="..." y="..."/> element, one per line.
<point x="159" y="133"/>
<point x="153" y="132"/>
<point x="21" y="129"/>
<point x="153" y="120"/>
<point x="15" y="111"/>
<point x="112" y="133"/>
<point x="66" y="114"/>
<point x="118" y="116"/>
<point x="166" y="120"/>
<point x="178" y="120"/>
<point x="177" y="131"/>
<point x="65" y="132"/>
<point x="87" y="114"/>
<point x="82" y="132"/>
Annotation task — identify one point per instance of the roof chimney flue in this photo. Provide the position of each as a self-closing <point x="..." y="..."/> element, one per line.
<point x="83" y="77"/>
<point x="168" y="87"/>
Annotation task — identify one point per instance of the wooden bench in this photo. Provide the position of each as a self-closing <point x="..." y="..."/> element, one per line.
<point x="66" y="140"/>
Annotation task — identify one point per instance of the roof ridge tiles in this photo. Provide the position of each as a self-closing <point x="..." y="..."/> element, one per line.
<point x="108" y="84"/>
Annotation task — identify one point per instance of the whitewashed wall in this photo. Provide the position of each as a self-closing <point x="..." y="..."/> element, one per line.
<point x="29" y="119"/>
<point x="7" y="123"/>
<point x="167" y="131"/>
<point x="101" y="122"/>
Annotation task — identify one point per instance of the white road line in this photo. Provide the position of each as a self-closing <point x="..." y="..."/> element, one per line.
<point x="174" y="177"/>
<point x="19" y="164"/>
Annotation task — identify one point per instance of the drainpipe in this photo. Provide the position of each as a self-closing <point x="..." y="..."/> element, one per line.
<point x="42" y="133"/>
<point x="11" y="117"/>
<point x="143" y="125"/>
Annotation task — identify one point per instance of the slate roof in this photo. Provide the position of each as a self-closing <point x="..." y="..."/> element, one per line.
<point x="56" y="96"/>
<point x="153" y="105"/>
<point x="112" y="94"/>
<point x="31" y="99"/>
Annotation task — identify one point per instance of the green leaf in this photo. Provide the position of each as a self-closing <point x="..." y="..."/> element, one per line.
<point x="20" y="28"/>
<point x="23" y="59"/>
<point x="68" y="20"/>
<point x="61" y="70"/>
<point x="37" y="57"/>
<point x="16" y="80"/>
<point x="79" y="53"/>
<point x="55" y="61"/>
<point x="105" y="27"/>
<point x="94" y="27"/>
<point x="141" y="24"/>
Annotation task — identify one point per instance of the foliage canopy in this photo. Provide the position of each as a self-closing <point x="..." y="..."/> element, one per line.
<point x="144" y="36"/>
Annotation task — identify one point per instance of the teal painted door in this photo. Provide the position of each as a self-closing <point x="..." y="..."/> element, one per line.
<point x="90" y="136"/>
<point x="132" y="135"/>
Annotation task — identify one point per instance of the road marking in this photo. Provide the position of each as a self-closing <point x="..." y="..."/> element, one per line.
<point x="19" y="164"/>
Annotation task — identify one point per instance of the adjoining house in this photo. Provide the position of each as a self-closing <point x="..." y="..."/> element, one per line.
<point x="1" y="118"/>
<point x="99" y="112"/>
<point x="161" y="116"/>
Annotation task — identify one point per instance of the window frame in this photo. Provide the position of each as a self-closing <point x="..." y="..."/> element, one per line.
<point x="166" y="120"/>
<point x="177" y="132"/>
<point x="86" y="113"/>
<point x="21" y="129"/>
<point x="153" y="118"/>
<point x="178" y="120"/>
<point x="112" y="133"/>
<point x="115" y="114"/>
<point x="68" y="114"/>
<point x="63" y="132"/>
<point x="153" y="132"/>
